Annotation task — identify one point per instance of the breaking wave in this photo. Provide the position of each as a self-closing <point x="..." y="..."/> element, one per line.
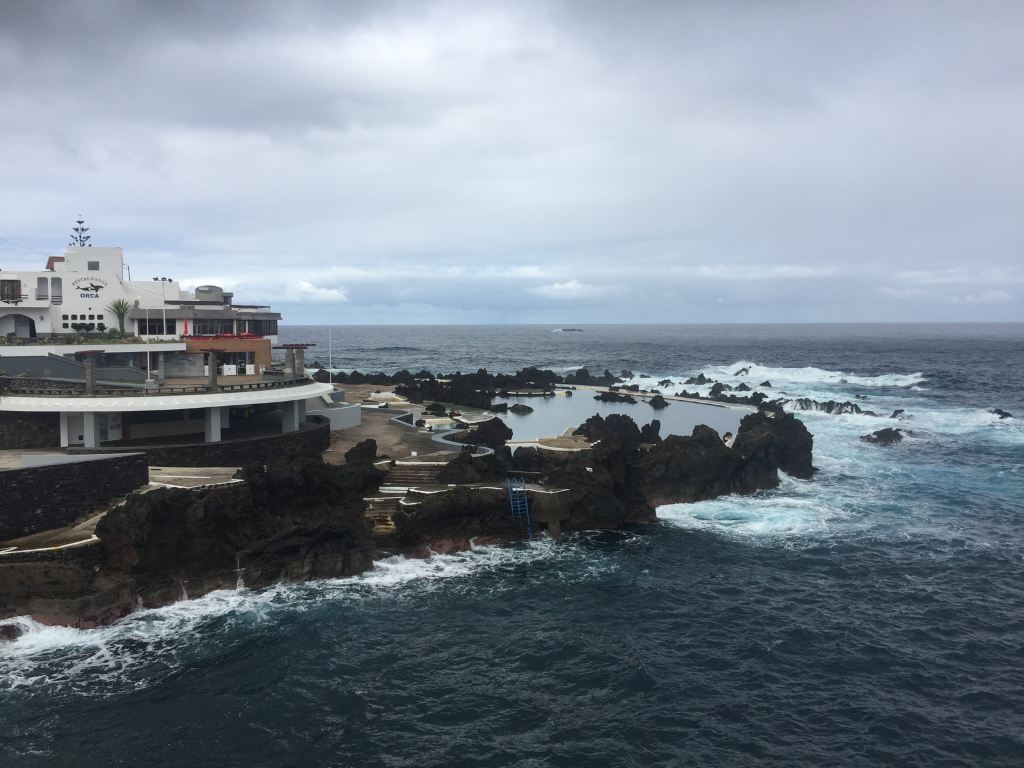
<point x="142" y="648"/>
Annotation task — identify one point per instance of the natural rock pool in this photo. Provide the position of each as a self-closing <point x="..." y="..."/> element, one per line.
<point x="551" y="415"/>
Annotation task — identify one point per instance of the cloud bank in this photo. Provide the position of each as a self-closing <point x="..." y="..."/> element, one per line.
<point x="530" y="162"/>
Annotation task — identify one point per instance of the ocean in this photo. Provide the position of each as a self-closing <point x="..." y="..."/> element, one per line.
<point x="871" y="617"/>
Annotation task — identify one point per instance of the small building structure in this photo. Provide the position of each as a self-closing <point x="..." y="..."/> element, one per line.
<point x="116" y="363"/>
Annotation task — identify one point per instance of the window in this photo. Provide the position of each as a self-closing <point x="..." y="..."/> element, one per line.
<point x="65" y="324"/>
<point x="93" y="266"/>
<point x="92" y="317"/>
<point x="10" y="290"/>
<point x="74" y="317"/>
<point x="99" y="317"/>
<point x="262" y="327"/>
<point x="212" y="327"/>
<point x="64" y="317"/>
<point x="155" y="327"/>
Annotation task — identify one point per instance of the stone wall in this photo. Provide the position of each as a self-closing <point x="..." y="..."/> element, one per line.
<point x="312" y="440"/>
<point x="36" y="499"/>
<point x="29" y="430"/>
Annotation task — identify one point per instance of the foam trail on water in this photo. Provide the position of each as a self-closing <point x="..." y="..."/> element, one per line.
<point x="159" y="637"/>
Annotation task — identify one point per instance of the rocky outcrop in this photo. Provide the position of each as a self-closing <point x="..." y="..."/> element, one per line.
<point x="832" y="407"/>
<point x="296" y="520"/>
<point x="897" y="414"/>
<point x="651" y="433"/>
<point x="776" y="439"/>
<point x="1001" y="413"/>
<point x="615" y="397"/>
<point x="700" y="379"/>
<point x="718" y="389"/>
<point x="658" y="402"/>
<point x="887" y="436"/>
<point x="520" y="409"/>
<point x="766" y="384"/>
<point x="492" y="433"/>
<point x="742" y="372"/>
<point x="10" y="632"/>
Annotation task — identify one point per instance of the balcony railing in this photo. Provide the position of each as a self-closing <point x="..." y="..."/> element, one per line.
<point x="36" y="387"/>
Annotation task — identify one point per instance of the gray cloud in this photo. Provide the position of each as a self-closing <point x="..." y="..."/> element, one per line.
<point x="548" y="162"/>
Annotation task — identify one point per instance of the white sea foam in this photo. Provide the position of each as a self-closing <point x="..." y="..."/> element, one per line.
<point x="798" y="378"/>
<point x="794" y="509"/>
<point x="159" y="636"/>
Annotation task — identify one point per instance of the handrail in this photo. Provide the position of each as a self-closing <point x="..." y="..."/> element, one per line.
<point x="102" y="391"/>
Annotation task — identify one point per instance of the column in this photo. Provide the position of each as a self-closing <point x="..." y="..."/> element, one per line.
<point x="211" y="381"/>
<point x="90" y="373"/>
<point x="290" y="416"/>
<point x="211" y="417"/>
<point x="289" y="363"/>
<point x="65" y="440"/>
<point x="225" y="417"/>
<point x="91" y="429"/>
<point x="300" y="363"/>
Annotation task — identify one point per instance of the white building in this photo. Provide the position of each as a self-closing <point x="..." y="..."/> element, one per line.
<point x="61" y="360"/>
<point x="73" y="294"/>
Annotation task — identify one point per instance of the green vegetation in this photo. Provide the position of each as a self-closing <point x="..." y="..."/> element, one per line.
<point x="120" y="307"/>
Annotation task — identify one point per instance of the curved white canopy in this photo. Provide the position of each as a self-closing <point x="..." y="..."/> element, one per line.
<point x="161" y="402"/>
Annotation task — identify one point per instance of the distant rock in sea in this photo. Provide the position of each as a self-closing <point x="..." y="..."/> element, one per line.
<point x="887" y="436"/>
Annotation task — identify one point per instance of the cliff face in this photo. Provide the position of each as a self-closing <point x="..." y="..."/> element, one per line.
<point x="291" y="521"/>
<point x="620" y="481"/>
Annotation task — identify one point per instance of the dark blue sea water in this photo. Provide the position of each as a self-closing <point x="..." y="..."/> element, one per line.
<point x="873" y="616"/>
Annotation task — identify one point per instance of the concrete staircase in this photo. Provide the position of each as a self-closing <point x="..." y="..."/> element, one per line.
<point x="413" y="473"/>
<point x="381" y="509"/>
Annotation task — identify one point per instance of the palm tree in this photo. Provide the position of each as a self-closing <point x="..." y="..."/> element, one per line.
<point x="120" y="307"/>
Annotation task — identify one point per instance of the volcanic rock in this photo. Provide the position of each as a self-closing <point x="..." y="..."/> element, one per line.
<point x="742" y="372"/>
<point x="665" y="383"/>
<point x="887" y="436"/>
<point x="615" y="397"/>
<point x="1001" y="413"/>
<point x="743" y="387"/>
<point x="765" y="383"/>
<point x="651" y="433"/>
<point x="658" y="402"/>
<point x="781" y="440"/>
<point x="10" y="632"/>
<point x="520" y="409"/>
<point x="897" y="414"/>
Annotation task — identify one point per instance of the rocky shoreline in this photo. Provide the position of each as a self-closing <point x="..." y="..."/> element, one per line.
<point x="299" y="518"/>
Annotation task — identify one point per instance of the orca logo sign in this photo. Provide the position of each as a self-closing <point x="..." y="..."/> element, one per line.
<point x="89" y="287"/>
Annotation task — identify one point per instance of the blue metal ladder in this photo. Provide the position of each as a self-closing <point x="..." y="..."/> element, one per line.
<point x="518" y="503"/>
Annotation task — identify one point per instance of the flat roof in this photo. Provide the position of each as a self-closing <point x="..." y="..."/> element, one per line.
<point x="133" y="403"/>
<point x="41" y="350"/>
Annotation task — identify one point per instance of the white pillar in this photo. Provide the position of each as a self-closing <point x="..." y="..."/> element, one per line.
<point x="91" y="429"/>
<point x="64" y="438"/>
<point x="290" y="416"/>
<point x="212" y="420"/>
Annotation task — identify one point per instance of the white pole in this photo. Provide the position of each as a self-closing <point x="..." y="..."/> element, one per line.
<point x="330" y="351"/>
<point x="149" y="362"/>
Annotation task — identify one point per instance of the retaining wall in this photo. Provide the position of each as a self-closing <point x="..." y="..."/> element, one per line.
<point x="39" y="498"/>
<point x="312" y="440"/>
<point x="29" y="430"/>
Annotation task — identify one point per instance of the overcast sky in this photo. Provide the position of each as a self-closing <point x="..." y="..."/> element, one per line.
<point x="530" y="162"/>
